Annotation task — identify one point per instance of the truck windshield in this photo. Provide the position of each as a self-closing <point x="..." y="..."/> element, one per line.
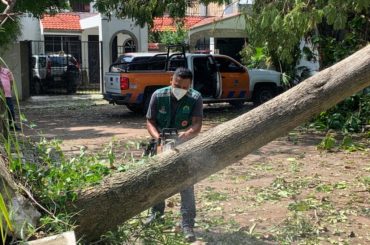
<point x="124" y="59"/>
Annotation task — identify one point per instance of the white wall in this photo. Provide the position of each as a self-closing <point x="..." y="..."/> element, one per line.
<point x="111" y="28"/>
<point x="121" y="38"/>
<point x="108" y="29"/>
<point x="91" y="22"/>
<point x="30" y="31"/>
<point x="84" y="38"/>
<point x="30" y="28"/>
<point x="312" y="65"/>
<point x="12" y="59"/>
<point x="85" y="34"/>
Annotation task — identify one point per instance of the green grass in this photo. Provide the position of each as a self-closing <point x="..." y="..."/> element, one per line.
<point x="5" y="223"/>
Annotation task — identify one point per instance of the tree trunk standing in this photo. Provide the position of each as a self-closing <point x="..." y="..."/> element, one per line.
<point x="123" y="195"/>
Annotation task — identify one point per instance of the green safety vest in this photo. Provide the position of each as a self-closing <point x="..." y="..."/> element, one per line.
<point x="183" y="115"/>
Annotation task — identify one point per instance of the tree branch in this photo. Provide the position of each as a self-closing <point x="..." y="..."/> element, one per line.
<point x="7" y="11"/>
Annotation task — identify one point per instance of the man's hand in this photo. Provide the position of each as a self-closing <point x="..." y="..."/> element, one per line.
<point x="193" y="131"/>
<point x="184" y="136"/>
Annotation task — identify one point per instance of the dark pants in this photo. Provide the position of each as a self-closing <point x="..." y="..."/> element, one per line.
<point x="187" y="207"/>
<point x="11" y="113"/>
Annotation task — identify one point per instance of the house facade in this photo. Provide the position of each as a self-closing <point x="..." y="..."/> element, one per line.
<point x="220" y="29"/>
<point x="94" y="40"/>
<point x="211" y="28"/>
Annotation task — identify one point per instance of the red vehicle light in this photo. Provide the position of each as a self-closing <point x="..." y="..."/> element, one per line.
<point x="124" y="82"/>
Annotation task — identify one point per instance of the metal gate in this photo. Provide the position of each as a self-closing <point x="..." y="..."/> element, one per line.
<point x="65" y="65"/>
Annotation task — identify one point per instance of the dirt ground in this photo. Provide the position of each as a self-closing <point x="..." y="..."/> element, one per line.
<point x="287" y="192"/>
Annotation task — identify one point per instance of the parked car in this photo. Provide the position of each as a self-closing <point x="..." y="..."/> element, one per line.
<point x="55" y="71"/>
<point x="63" y="72"/>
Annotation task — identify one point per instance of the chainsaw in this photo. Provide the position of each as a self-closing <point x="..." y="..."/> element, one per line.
<point x="167" y="141"/>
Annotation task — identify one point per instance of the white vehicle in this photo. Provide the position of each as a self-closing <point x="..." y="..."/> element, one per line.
<point x="39" y="72"/>
<point x="55" y="71"/>
<point x="263" y="84"/>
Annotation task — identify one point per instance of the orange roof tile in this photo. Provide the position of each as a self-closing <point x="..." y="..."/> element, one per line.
<point x="61" y="22"/>
<point x="169" y="24"/>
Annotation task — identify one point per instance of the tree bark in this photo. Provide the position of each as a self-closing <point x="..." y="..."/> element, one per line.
<point x="123" y="195"/>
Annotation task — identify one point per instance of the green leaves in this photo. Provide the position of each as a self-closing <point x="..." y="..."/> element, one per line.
<point x="4" y="219"/>
<point x="144" y="11"/>
<point x="280" y="25"/>
<point x="174" y="37"/>
<point x="348" y="116"/>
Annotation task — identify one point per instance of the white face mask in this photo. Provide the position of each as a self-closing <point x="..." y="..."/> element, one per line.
<point x="179" y="93"/>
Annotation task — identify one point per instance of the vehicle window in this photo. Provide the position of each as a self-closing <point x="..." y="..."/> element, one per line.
<point x="175" y="62"/>
<point x="61" y="61"/>
<point x="157" y="63"/>
<point x="148" y="63"/>
<point x="124" y="59"/>
<point x="141" y="63"/>
<point x="58" y="61"/>
<point x="205" y="76"/>
<point x="140" y="59"/>
<point x="203" y="65"/>
<point x="227" y="65"/>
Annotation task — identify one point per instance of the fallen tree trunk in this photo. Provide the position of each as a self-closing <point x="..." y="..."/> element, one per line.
<point x="124" y="195"/>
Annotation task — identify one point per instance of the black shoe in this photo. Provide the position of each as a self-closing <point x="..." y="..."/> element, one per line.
<point x="189" y="234"/>
<point x="154" y="218"/>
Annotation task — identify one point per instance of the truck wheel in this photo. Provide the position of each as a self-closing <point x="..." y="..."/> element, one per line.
<point x="263" y="94"/>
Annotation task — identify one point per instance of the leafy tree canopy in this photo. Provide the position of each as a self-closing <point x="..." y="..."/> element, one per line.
<point x="144" y="11"/>
<point x="174" y="37"/>
<point x="279" y="25"/>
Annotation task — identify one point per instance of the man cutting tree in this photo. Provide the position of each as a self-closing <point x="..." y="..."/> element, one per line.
<point x="180" y="107"/>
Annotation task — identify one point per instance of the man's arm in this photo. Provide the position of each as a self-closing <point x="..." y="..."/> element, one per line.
<point x="152" y="129"/>
<point x="150" y="118"/>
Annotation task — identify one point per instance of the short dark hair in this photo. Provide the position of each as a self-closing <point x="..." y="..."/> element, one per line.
<point x="183" y="73"/>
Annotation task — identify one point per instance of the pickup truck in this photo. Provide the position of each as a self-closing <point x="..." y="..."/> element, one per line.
<point x="218" y="78"/>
